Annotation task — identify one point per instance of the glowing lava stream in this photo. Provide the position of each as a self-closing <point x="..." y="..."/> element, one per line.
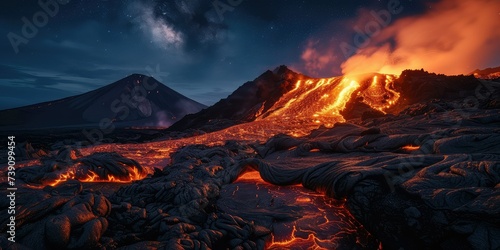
<point x="315" y="102"/>
<point x="380" y="95"/>
<point x="91" y="176"/>
<point x="322" y="223"/>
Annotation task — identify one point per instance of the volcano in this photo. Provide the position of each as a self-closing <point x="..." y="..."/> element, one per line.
<point x="134" y="101"/>
<point x="288" y="101"/>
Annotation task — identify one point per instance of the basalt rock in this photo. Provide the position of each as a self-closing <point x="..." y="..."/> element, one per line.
<point x="62" y="217"/>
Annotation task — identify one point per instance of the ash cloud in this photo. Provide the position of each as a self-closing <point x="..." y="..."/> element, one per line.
<point x="454" y="37"/>
<point x="316" y="59"/>
<point x="451" y="37"/>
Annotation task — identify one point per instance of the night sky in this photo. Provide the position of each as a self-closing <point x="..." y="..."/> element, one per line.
<point x="186" y="44"/>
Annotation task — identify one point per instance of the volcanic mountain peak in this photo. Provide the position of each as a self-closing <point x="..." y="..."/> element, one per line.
<point x="283" y="70"/>
<point x="134" y="101"/>
<point x="283" y="100"/>
<point x="246" y="103"/>
<point x="302" y="101"/>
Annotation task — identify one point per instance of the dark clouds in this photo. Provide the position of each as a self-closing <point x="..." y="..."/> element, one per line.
<point x="91" y="43"/>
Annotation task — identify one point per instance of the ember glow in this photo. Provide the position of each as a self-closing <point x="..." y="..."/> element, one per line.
<point x="252" y="176"/>
<point x="411" y="148"/>
<point x="91" y="176"/>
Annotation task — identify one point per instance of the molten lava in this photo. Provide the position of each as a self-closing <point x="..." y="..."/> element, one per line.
<point x="315" y="102"/>
<point x="251" y="176"/>
<point x="411" y="148"/>
<point x="91" y="176"/>
<point x="380" y="94"/>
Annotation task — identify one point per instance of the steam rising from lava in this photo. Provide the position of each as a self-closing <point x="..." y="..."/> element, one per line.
<point x="454" y="37"/>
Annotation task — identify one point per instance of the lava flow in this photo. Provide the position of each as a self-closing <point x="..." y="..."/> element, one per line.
<point x="91" y="176"/>
<point x="315" y="102"/>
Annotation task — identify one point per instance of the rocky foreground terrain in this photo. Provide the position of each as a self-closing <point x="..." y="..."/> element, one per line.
<point x="417" y="180"/>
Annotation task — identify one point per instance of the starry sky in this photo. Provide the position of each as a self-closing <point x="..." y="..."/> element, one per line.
<point x="203" y="49"/>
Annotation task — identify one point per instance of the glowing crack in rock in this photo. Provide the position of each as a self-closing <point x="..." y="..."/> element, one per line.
<point x="84" y="175"/>
<point x="321" y="222"/>
<point x="411" y="148"/>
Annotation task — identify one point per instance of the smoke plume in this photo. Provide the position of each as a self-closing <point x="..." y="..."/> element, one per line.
<point x="454" y="37"/>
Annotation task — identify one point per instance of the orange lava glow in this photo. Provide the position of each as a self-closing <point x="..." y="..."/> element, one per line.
<point x="294" y="241"/>
<point x="303" y="199"/>
<point x="342" y="93"/>
<point x="321" y="221"/>
<point x="251" y="176"/>
<point x="91" y="176"/>
<point x="315" y="102"/>
<point x="380" y="95"/>
<point x="411" y="148"/>
<point x="284" y="243"/>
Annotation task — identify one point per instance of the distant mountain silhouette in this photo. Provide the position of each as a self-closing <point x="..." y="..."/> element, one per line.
<point x="135" y="101"/>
